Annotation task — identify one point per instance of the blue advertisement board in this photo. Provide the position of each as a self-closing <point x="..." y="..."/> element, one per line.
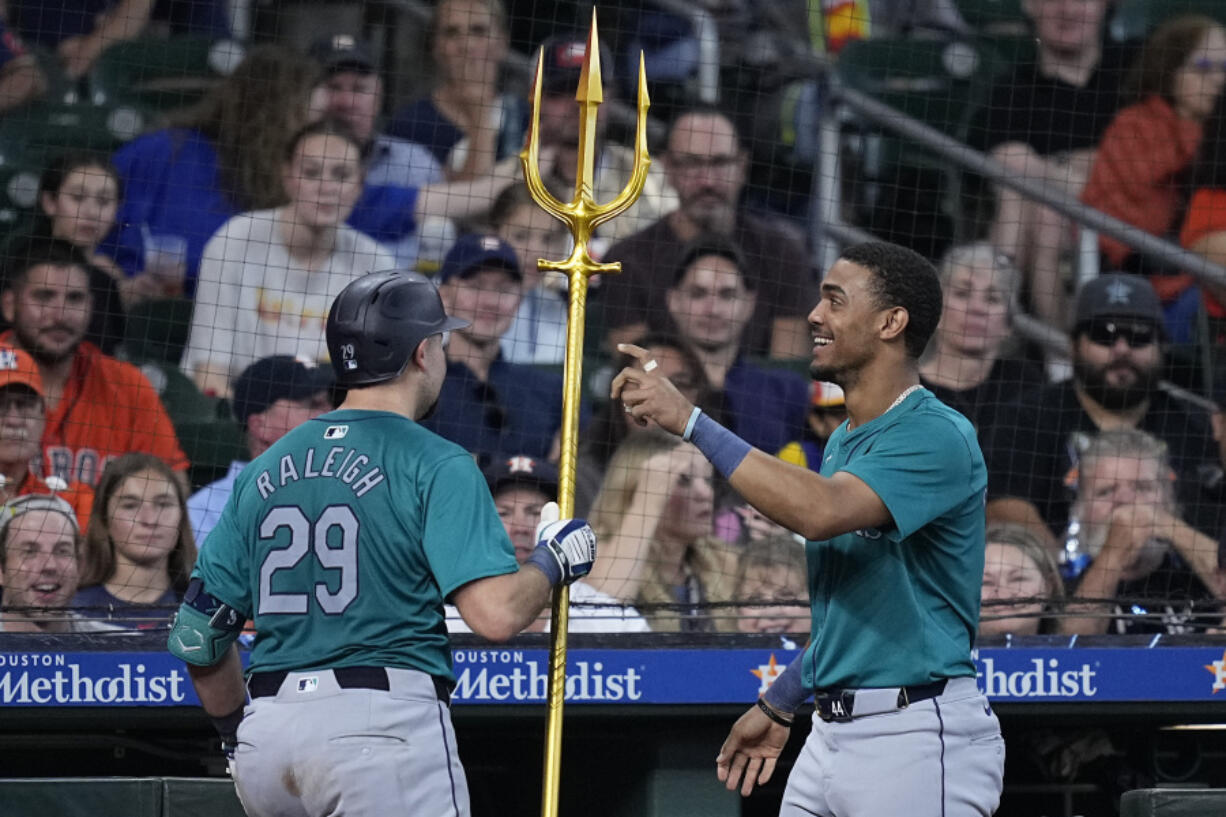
<point x="491" y="676"/>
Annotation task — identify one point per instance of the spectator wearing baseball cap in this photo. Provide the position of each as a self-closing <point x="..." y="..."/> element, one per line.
<point x="40" y="567"/>
<point x="23" y="417"/>
<point x="488" y="405"/>
<point x="352" y="93"/>
<point x="465" y="121"/>
<point x="1117" y="352"/>
<point x="520" y="486"/>
<point x="271" y="397"/>
<point x="827" y="411"/>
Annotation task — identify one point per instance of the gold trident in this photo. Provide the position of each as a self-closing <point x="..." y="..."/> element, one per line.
<point x="582" y="215"/>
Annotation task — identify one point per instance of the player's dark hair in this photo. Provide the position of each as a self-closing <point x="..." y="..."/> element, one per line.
<point x="707" y="109"/>
<point x="902" y="277"/>
<point x="98" y="562"/>
<point x="27" y="252"/>
<point x="709" y="244"/>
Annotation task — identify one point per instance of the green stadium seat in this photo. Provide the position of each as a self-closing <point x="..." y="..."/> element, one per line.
<point x="18" y="192"/>
<point x="1135" y="19"/>
<point x="994" y="17"/>
<point x="180" y="397"/>
<point x="160" y="75"/>
<point x="42" y="129"/>
<point x="157" y="330"/>
<point x="938" y="82"/>
<point x="941" y="83"/>
<point x="211" y="445"/>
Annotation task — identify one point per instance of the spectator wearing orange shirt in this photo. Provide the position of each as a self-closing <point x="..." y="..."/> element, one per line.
<point x="97" y="407"/>
<point x="22" y="420"/>
<point x="1141" y="166"/>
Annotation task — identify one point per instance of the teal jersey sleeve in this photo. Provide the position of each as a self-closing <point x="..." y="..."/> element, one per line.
<point x="923" y="473"/>
<point x="463" y="537"/>
<point x="224" y="566"/>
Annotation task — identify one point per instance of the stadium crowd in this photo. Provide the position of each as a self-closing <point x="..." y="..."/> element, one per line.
<point x="164" y="305"/>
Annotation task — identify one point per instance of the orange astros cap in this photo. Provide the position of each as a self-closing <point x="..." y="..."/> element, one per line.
<point x="16" y="366"/>
<point x="826" y="395"/>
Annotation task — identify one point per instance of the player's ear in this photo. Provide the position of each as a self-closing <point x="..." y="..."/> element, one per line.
<point x="419" y="354"/>
<point x="894" y="322"/>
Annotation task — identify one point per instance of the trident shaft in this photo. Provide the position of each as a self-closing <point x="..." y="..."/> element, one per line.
<point x="582" y="214"/>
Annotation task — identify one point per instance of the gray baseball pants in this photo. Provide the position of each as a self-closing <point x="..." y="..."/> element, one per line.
<point x="317" y="750"/>
<point x="942" y="757"/>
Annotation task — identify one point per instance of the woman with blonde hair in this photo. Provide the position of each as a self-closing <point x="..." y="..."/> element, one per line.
<point x="139" y="548"/>
<point x="1022" y="587"/>
<point x="654" y="518"/>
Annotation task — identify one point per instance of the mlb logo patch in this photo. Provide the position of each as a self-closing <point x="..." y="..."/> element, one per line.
<point x="335" y="432"/>
<point x="308" y="684"/>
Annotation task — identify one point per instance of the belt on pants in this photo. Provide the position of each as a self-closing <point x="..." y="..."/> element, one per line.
<point x="267" y="684"/>
<point x="839" y="705"/>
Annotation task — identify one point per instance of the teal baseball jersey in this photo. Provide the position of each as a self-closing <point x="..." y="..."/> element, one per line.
<point x="899" y="605"/>
<point x="342" y="540"/>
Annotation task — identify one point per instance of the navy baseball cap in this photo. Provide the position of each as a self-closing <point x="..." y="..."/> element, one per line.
<point x="279" y="377"/>
<point x="564" y="55"/>
<point x="522" y="470"/>
<point x="1116" y="295"/>
<point x="473" y="252"/>
<point x="343" y="52"/>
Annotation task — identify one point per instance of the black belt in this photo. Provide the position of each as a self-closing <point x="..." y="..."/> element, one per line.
<point x="839" y="705"/>
<point x="267" y="684"/>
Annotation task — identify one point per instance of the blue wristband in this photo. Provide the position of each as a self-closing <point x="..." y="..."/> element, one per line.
<point x="547" y="563"/>
<point x="724" y="449"/>
<point x="787" y="692"/>
<point x="689" y="426"/>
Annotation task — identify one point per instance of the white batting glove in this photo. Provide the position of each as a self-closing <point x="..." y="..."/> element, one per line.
<point x="565" y="548"/>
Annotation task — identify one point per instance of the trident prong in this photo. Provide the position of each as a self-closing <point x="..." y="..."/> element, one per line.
<point x="581" y="215"/>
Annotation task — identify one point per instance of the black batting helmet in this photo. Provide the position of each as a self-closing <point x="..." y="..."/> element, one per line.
<point x="377" y="321"/>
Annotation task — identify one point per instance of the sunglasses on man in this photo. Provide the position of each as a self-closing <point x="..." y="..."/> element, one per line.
<point x="1106" y="331"/>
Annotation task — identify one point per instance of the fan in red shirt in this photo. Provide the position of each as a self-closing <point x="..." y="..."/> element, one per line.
<point x="97" y="407"/>
<point x="22" y="418"/>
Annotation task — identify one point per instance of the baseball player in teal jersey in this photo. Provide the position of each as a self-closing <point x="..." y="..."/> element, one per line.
<point x="895" y="531"/>
<point x="342" y="542"/>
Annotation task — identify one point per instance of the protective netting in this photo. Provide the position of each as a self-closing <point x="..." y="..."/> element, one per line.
<point x="185" y="186"/>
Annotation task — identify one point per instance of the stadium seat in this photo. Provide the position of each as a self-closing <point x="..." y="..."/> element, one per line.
<point x="160" y="75"/>
<point x="1134" y="19"/>
<point x="157" y="330"/>
<point x="182" y="400"/>
<point x="994" y="17"/>
<point x="18" y="191"/>
<point x="42" y="129"/>
<point x="941" y="83"/>
<point x="938" y="82"/>
<point x="210" y="445"/>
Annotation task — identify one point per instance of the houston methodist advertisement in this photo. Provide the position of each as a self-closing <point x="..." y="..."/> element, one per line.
<point x="494" y="675"/>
